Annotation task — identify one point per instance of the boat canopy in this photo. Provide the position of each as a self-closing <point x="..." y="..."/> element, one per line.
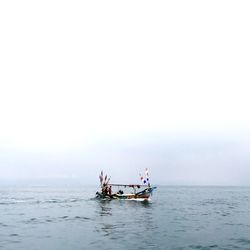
<point x="128" y="185"/>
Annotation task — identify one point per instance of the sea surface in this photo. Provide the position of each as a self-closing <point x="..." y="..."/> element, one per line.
<point x="41" y="218"/>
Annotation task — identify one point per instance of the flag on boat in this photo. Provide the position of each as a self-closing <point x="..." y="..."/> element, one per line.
<point x="145" y="180"/>
<point x="108" y="180"/>
<point x="101" y="177"/>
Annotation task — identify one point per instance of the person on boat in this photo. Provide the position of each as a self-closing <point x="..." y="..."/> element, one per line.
<point x="105" y="189"/>
<point x="120" y="192"/>
<point x="110" y="190"/>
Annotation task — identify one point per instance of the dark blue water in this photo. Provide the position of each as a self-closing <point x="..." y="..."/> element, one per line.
<point x="177" y="218"/>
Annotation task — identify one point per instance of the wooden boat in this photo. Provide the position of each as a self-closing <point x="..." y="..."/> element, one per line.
<point x="135" y="192"/>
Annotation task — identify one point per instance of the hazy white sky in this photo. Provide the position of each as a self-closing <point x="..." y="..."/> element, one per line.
<point x="91" y="85"/>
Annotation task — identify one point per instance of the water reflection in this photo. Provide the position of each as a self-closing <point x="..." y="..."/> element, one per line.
<point x="145" y="204"/>
<point x="104" y="208"/>
<point x="125" y="221"/>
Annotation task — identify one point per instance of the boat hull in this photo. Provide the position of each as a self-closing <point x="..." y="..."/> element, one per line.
<point x="140" y="196"/>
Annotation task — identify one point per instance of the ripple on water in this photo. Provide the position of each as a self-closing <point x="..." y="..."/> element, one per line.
<point x="242" y="241"/>
<point x="13" y="235"/>
<point x="81" y="218"/>
<point x="31" y="221"/>
<point x="3" y="225"/>
<point x="77" y="218"/>
<point x="209" y="247"/>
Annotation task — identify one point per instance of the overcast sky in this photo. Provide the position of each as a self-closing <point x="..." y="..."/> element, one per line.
<point x="125" y="85"/>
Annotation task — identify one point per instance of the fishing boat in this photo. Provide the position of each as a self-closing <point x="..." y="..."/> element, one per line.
<point x="135" y="191"/>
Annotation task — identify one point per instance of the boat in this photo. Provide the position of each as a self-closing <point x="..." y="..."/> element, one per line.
<point x="136" y="192"/>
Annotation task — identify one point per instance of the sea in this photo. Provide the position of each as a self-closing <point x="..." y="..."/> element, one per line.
<point x="177" y="217"/>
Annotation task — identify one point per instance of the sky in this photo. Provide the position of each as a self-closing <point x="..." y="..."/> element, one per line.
<point x="121" y="86"/>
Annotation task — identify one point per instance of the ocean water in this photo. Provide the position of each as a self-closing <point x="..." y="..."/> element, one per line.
<point x="176" y="218"/>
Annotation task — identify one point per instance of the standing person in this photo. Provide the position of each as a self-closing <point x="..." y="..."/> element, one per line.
<point x="105" y="189"/>
<point x="110" y="190"/>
